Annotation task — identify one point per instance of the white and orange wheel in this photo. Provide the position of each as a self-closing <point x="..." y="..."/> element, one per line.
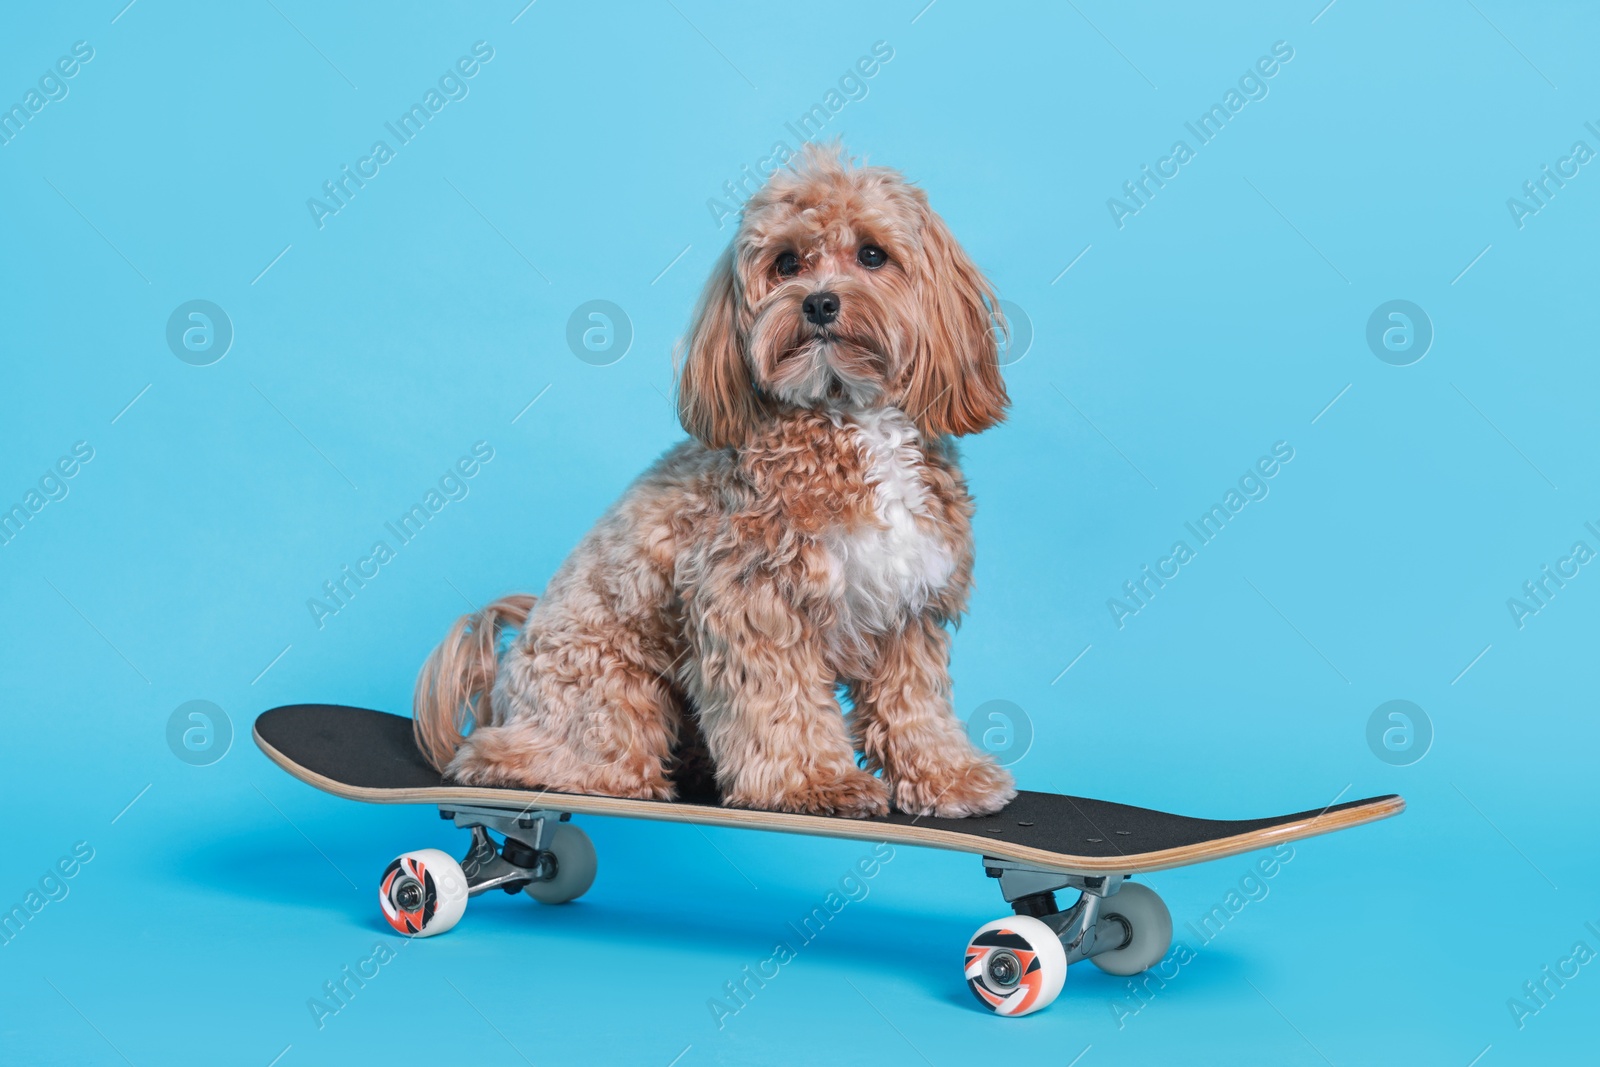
<point x="423" y="893"/>
<point x="1015" y="965"/>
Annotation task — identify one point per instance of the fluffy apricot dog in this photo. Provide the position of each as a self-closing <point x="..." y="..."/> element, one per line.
<point x="814" y="532"/>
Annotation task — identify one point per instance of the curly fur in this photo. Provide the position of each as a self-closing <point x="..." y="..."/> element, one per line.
<point x="815" y="531"/>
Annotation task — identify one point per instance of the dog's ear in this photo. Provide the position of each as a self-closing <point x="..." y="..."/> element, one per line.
<point x="717" y="401"/>
<point x="954" y="384"/>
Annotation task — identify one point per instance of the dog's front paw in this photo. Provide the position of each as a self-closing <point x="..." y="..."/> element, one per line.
<point x="981" y="787"/>
<point x="853" y="794"/>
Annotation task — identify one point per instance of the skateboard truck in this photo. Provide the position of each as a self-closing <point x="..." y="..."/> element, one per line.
<point x="425" y="891"/>
<point x="1018" y="964"/>
<point x="527" y="855"/>
<point x="1084" y="929"/>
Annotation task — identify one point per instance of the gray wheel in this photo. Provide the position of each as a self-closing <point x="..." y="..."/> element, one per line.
<point x="1134" y="913"/>
<point x="575" y="867"/>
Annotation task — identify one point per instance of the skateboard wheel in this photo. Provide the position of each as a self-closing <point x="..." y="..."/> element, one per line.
<point x="1015" y="965"/>
<point x="1149" y="930"/>
<point x="423" y="893"/>
<point x="575" y="867"/>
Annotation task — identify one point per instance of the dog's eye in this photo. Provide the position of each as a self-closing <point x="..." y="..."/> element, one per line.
<point x="872" y="257"/>
<point x="787" y="264"/>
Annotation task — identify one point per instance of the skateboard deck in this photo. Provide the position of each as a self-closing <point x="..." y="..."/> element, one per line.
<point x="371" y="756"/>
<point x="1040" y="843"/>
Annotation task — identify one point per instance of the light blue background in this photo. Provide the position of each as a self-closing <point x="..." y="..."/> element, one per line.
<point x="1224" y="317"/>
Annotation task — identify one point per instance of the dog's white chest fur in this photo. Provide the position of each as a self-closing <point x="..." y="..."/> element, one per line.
<point x="892" y="568"/>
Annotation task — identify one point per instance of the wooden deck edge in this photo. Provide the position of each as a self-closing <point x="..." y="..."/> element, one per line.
<point x="811" y="826"/>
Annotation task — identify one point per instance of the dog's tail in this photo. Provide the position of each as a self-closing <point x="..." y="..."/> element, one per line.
<point x="455" y="683"/>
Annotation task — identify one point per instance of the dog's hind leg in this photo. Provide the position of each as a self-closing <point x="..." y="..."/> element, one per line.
<point x="575" y="715"/>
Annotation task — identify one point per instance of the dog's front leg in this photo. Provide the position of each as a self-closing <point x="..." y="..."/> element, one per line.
<point x="905" y="725"/>
<point x="767" y="709"/>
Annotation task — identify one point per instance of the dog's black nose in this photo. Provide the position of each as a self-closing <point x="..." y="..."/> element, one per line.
<point x="821" y="308"/>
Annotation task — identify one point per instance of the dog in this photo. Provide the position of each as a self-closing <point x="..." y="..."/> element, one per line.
<point x="814" y="532"/>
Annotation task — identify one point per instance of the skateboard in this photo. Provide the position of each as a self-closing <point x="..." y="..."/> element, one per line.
<point x="1039" y="844"/>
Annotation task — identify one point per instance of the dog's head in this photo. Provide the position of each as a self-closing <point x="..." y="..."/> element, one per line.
<point x="843" y="290"/>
